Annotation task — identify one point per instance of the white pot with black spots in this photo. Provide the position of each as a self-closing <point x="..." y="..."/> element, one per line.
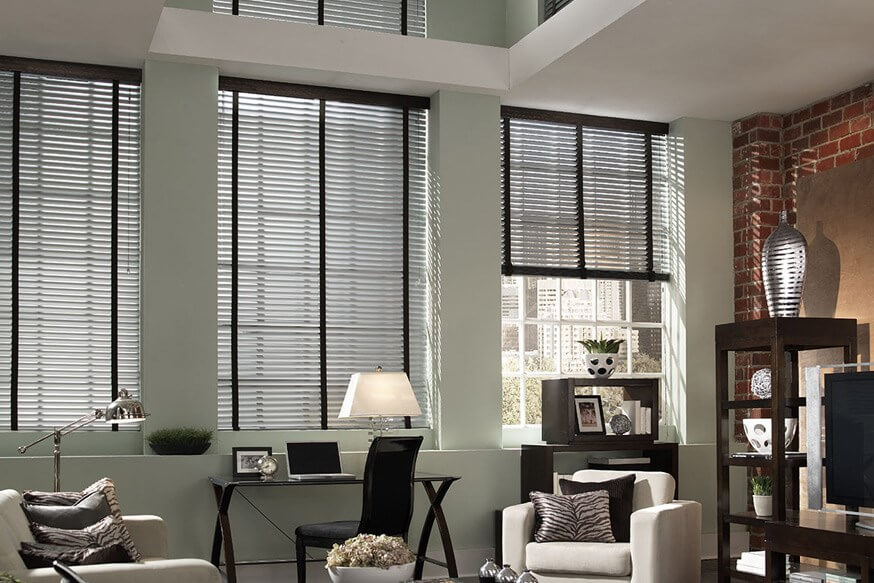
<point x="601" y="366"/>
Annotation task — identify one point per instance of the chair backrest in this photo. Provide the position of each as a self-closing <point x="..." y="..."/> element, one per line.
<point x="650" y="488"/>
<point x="14" y="530"/>
<point x="388" y="486"/>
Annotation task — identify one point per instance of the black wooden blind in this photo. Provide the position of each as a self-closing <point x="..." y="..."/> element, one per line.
<point x="550" y="7"/>
<point x="393" y="16"/>
<point x="322" y="199"/>
<point x="69" y="243"/>
<point x="583" y="196"/>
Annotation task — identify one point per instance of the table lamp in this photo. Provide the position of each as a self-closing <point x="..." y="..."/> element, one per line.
<point x="122" y="411"/>
<point x="379" y="396"/>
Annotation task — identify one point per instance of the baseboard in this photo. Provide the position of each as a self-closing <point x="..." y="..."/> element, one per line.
<point x="740" y="542"/>
<point x="468" y="561"/>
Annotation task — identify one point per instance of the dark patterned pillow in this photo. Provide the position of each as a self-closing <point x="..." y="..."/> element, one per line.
<point x="84" y="512"/>
<point x="105" y="533"/>
<point x="575" y="518"/>
<point x="104" y="486"/>
<point x="37" y="555"/>
<point x="621" y="492"/>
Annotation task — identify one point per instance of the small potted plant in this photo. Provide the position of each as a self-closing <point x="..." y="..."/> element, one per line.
<point x="369" y="558"/>
<point x="601" y="359"/>
<point x="762" y="489"/>
<point x="180" y="441"/>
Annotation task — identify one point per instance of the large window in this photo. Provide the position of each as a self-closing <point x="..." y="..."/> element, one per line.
<point x="392" y="16"/>
<point x="542" y="320"/>
<point x="321" y="250"/>
<point x="69" y="243"/>
<point x="585" y="222"/>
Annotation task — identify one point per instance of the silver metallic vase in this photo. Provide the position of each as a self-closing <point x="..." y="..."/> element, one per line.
<point x="784" y="262"/>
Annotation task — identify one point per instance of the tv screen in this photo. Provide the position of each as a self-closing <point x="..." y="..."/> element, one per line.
<point x="849" y="438"/>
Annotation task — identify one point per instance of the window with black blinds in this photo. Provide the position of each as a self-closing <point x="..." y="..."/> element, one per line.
<point x="393" y="16"/>
<point x="69" y="242"/>
<point x="322" y="206"/>
<point x="583" y="196"/>
<point x="550" y="7"/>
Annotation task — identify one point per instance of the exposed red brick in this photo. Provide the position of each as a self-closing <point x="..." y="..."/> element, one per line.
<point x="868" y="136"/>
<point x="862" y="92"/>
<point x="860" y="123"/>
<point x="845" y="158"/>
<point x="819" y="108"/>
<point x="850" y="142"/>
<point x="839" y="131"/>
<point x="740" y="140"/>
<point x="841" y="100"/>
<point x="825" y="164"/>
<point x="811" y="126"/>
<point x="832" y="118"/>
<point x="865" y="152"/>
<point x="827" y="149"/>
<point x="854" y="110"/>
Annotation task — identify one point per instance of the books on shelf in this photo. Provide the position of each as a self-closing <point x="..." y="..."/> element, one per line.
<point x="831" y="577"/>
<point x="619" y="461"/>
<point x="752" y="562"/>
<point x="641" y="417"/>
<point x="827" y="576"/>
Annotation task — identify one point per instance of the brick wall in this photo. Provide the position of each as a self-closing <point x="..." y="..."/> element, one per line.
<point x="771" y="152"/>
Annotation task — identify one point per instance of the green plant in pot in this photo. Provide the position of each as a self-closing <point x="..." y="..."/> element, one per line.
<point x="601" y="359"/>
<point x="762" y="487"/>
<point x="180" y="441"/>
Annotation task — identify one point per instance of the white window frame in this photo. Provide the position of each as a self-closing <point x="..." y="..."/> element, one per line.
<point x="627" y="325"/>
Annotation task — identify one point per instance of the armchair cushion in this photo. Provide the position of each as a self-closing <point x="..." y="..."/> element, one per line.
<point x="621" y="492"/>
<point x="607" y="559"/>
<point x="579" y="517"/>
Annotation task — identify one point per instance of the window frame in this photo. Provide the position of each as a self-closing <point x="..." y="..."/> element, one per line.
<point x="19" y="66"/>
<point x="627" y="325"/>
<point x="404" y="104"/>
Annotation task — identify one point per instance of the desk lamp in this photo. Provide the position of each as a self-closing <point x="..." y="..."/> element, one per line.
<point x="379" y="396"/>
<point x="122" y="411"/>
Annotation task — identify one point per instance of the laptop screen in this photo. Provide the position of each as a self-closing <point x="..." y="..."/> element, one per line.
<point x="313" y="457"/>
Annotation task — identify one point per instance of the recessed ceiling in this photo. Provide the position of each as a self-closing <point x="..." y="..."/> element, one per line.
<point x="712" y="59"/>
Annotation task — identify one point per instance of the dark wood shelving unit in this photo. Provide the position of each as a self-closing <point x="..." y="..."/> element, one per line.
<point x="783" y="338"/>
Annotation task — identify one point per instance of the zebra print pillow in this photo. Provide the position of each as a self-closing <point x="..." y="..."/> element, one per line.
<point x="104" y="533"/>
<point x="104" y="486"/>
<point x="36" y="555"/>
<point x="575" y="518"/>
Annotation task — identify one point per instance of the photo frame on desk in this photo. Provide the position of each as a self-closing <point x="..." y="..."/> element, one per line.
<point x="590" y="415"/>
<point x="246" y="460"/>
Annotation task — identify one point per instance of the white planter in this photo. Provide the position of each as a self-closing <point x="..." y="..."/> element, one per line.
<point x="759" y="433"/>
<point x="601" y="366"/>
<point x="396" y="574"/>
<point x="763" y="505"/>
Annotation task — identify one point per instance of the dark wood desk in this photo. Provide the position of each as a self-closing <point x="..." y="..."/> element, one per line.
<point x="819" y="535"/>
<point x="224" y="488"/>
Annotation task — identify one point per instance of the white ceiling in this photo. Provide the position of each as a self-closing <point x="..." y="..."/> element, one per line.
<point x="712" y="59"/>
<point x="648" y="59"/>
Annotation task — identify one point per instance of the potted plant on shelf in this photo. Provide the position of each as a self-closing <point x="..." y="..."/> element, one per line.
<point x="762" y="500"/>
<point x="369" y="558"/>
<point x="601" y="359"/>
<point x="180" y="441"/>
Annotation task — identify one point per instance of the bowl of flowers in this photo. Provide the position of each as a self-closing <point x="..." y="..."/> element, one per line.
<point x="370" y="558"/>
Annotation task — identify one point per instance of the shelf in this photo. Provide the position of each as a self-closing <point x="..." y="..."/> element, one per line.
<point x="796" y="334"/>
<point x="747" y="518"/>
<point x="763" y="462"/>
<point x="792" y="402"/>
<point x="735" y="574"/>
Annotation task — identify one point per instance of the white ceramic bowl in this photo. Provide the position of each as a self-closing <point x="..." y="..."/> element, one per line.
<point x="758" y="432"/>
<point x="396" y="574"/>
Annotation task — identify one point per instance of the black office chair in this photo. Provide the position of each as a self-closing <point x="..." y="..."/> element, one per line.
<point x="388" y="500"/>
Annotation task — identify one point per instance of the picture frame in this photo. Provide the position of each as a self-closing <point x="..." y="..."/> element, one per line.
<point x="246" y="458"/>
<point x="590" y="415"/>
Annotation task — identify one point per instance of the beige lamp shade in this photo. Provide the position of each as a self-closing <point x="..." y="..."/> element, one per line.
<point x="379" y="394"/>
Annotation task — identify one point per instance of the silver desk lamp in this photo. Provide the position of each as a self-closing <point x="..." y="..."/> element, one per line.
<point x="124" y="410"/>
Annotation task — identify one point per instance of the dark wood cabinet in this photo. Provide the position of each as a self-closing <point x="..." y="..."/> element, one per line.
<point x="783" y="338"/>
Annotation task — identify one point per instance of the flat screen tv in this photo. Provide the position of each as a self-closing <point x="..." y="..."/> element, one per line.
<point x="849" y="438"/>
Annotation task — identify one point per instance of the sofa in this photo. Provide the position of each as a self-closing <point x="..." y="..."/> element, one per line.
<point x="148" y="532"/>
<point x="665" y="544"/>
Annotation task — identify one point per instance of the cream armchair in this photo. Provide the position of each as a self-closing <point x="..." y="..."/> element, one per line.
<point x="665" y="542"/>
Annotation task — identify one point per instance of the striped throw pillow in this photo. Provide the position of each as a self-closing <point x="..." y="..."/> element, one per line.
<point x="105" y="486"/>
<point x="105" y="533"/>
<point x="576" y="518"/>
<point x="37" y="555"/>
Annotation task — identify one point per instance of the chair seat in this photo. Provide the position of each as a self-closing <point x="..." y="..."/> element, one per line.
<point x="608" y="559"/>
<point x="339" y="530"/>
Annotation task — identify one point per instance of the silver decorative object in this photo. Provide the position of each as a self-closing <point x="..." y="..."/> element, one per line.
<point x="527" y="577"/>
<point x="761" y="383"/>
<point x="488" y="572"/>
<point x="784" y="261"/>
<point x="267" y="465"/>
<point x="620" y="424"/>
<point x="506" y="575"/>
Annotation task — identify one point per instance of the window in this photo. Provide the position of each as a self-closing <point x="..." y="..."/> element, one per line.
<point x="392" y="16"/>
<point x="585" y="222"/>
<point x="550" y="7"/>
<point x="543" y="318"/>
<point x="321" y="250"/>
<point x="69" y="244"/>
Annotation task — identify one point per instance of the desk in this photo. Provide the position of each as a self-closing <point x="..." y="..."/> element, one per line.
<point x="224" y="488"/>
<point x="819" y="535"/>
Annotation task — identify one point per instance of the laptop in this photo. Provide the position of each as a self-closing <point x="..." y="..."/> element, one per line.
<point x="315" y="460"/>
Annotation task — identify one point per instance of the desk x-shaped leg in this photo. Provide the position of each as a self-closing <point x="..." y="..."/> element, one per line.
<point x="223" y="532"/>
<point x="435" y="512"/>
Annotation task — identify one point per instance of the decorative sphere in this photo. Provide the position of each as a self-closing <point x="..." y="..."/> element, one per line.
<point x="267" y="465"/>
<point x="620" y="424"/>
<point x="761" y="383"/>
